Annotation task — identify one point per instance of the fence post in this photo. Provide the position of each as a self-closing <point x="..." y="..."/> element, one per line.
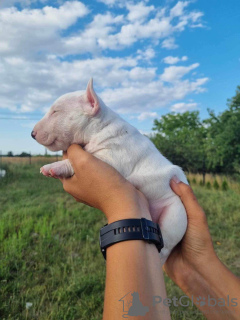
<point x="30" y="158"/>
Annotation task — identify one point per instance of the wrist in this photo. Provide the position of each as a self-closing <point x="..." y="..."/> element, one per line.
<point x="128" y="213"/>
<point x="127" y="204"/>
<point x="199" y="274"/>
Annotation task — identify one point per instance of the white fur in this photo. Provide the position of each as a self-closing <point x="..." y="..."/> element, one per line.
<point x="84" y="119"/>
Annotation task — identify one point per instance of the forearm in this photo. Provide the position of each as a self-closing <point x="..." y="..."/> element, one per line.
<point x="215" y="285"/>
<point x="134" y="266"/>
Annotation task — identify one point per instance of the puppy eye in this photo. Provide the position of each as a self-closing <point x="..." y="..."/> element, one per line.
<point x="54" y="112"/>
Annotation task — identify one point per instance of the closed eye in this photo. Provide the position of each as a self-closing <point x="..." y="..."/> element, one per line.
<point x="54" y="112"/>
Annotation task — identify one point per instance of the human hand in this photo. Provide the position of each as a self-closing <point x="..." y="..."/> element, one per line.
<point x="195" y="251"/>
<point x="99" y="185"/>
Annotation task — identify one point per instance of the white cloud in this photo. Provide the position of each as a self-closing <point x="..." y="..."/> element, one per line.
<point x="174" y="60"/>
<point x="36" y="43"/>
<point x="10" y="3"/>
<point x="103" y="32"/>
<point x="191" y="19"/>
<point x="31" y="31"/>
<point x="183" y="107"/>
<point x="146" y="133"/>
<point x="147" y="115"/>
<point x="178" y="9"/>
<point x="174" y="73"/>
<point x="148" y="54"/>
<point x="139" y="97"/>
<point x="138" y="11"/>
<point x="169" y="44"/>
<point x="35" y="84"/>
<point x="108" y="2"/>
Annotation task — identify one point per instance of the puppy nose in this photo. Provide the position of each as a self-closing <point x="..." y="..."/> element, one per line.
<point x="33" y="134"/>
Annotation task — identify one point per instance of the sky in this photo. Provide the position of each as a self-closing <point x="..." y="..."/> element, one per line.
<point x="147" y="58"/>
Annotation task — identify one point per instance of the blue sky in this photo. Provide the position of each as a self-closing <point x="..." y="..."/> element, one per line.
<point x="147" y="58"/>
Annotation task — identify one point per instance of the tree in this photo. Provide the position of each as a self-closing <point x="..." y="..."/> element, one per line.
<point x="223" y="138"/>
<point x="10" y="154"/>
<point x="24" y="154"/>
<point x="181" y="138"/>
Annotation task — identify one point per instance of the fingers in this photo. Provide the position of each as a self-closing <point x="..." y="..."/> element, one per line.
<point x="188" y="199"/>
<point x="67" y="186"/>
<point x="75" y="153"/>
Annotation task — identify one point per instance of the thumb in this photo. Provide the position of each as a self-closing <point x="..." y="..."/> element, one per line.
<point x="188" y="198"/>
<point x="76" y="155"/>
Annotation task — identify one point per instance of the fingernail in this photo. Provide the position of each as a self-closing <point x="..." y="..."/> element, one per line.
<point x="175" y="179"/>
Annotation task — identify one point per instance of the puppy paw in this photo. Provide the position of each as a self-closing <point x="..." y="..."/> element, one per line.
<point x="54" y="174"/>
<point x="60" y="169"/>
<point x="44" y="171"/>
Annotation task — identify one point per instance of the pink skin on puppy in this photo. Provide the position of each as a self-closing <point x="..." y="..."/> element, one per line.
<point x="82" y="117"/>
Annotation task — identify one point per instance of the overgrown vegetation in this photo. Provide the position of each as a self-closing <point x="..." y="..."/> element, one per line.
<point x="210" y="145"/>
<point x="50" y="263"/>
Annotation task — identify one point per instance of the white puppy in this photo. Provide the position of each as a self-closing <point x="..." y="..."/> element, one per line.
<point x="83" y="118"/>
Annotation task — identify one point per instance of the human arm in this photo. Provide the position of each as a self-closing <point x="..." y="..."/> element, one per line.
<point x="195" y="268"/>
<point x="132" y="266"/>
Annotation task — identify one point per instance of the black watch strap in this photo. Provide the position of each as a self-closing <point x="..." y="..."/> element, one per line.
<point x="130" y="229"/>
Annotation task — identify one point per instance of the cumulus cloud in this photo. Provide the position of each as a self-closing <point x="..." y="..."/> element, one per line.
<point x="174" y="73"/>
<point x="169" y="44"/>
<point x="109" y="2"/>
<point x="139" y="11"/>
<point x="10" y="3"/>
<point x="147" y="54"/>
<point x="41" y="55"/>
<point x="139" y="97"/>
<point x="183" y="107"/>
<point x="174" y="60"/>
<point x="31" y="31"/>
<point x="147" y="115"/>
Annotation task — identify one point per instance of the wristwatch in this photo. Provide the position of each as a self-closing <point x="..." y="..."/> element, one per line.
<point x="130" y="229"/>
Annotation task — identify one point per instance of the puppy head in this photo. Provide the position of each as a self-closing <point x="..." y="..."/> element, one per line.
<point x="64" y="123"/>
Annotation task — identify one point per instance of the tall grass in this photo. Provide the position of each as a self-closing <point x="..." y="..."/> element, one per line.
<point x="50" y="263"/>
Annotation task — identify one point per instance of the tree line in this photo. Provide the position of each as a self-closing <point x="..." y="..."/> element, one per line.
<point x="209" y="145"/>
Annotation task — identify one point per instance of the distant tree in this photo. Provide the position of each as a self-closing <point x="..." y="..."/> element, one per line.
<point x="223" y="138"/>
<point x="181" y="138"/>
<point x="10" y="154"/>
<point x="24" y="154"/>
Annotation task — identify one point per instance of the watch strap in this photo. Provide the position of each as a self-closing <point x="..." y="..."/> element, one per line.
<point x="130" y="229"/>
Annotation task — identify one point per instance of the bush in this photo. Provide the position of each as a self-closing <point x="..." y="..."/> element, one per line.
<point x="224" y="185"/>
<point x="194" y="181"/>
<point x="208" y="185"/>
<point x="215" y="185"/>
<point x="201" y="183"/>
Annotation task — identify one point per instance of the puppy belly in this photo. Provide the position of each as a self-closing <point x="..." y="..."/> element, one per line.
<point x="171" y="216"/>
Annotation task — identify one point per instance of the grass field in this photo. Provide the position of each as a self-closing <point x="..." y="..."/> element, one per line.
<point x="32" y="159"/>
<point x="50" y="263"/>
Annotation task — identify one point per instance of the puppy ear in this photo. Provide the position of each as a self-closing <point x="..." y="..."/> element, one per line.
<point x="92" y="99"/>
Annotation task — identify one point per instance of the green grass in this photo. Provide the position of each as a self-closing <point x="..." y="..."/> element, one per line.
<point x="49" y="252"/>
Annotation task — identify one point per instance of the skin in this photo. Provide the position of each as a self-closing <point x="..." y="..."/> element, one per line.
<point x="193" y="265"/>
<point x="99" y="185"/>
